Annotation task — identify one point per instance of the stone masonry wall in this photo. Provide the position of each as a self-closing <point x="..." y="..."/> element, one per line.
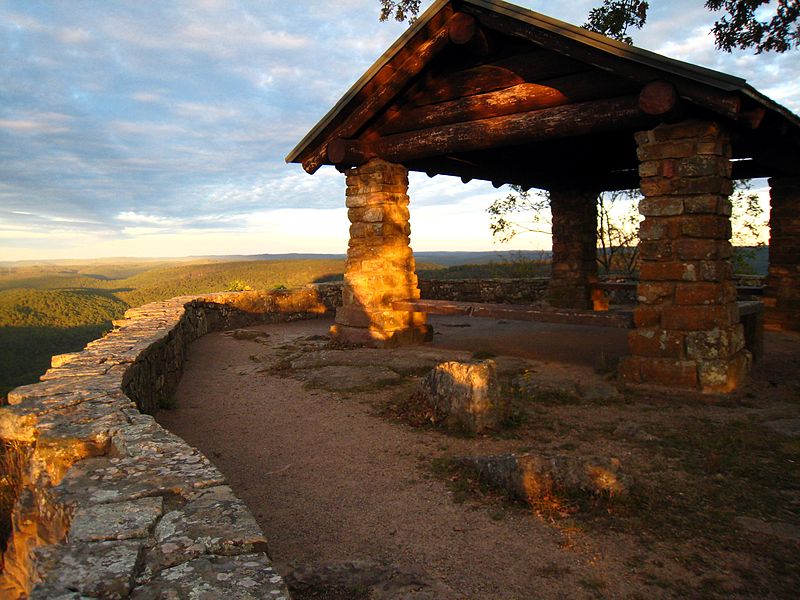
<point x="380" y="266"/>
<point x="574" y="266"/>
<point x="499" y="291"/>
<point x="114" y="506"/>
<point x="782" y="296"/>
<point x="688" y="333"/>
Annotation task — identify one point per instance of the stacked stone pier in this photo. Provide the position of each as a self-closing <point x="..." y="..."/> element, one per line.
<point x="688" y="333"/>
<point x="380" y="263"/>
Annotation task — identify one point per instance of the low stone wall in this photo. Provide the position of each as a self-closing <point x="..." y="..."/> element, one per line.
<point x="499" y="291"/>
<point x="112" y="505"/>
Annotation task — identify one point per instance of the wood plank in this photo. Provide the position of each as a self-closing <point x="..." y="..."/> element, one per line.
<point x="466" y="31"/>
<point x="400" y="77"/>
<point x="518" y="98"/>
<point x="539" y="125"/>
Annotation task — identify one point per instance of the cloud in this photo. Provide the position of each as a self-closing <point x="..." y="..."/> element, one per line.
<point x="172" y="120"/>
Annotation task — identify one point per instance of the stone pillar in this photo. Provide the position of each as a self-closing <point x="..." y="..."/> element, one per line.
<point x="782" y="296"/>
<point x="687" y="332"/>
<point x="574" y="262"/>
<point x="380" y="264"/>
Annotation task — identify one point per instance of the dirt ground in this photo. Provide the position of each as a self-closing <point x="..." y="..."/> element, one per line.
<point x="360" y="500"/>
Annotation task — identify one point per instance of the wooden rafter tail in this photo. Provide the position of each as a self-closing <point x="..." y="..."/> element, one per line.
<point x="464" y="30"/>
<point x="659" y="98"/>
<point x="508" y="130"/>
<point x="411" y="67"/>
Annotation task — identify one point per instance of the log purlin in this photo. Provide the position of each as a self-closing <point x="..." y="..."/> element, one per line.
<point x="552" y="123"/>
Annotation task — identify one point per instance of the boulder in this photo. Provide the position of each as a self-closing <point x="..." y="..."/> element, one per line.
<point x="466" y="396"/>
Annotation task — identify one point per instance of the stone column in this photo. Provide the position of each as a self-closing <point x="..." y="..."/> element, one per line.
<point x="380" y="264"/>
<point x="574" y="267"/>
<point x="782" y="296"/>
<point x="687" y="332"/>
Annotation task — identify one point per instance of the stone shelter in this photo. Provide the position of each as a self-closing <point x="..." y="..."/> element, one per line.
<point x="483" y="89"/>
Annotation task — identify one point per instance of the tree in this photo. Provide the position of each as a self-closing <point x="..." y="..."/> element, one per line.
<point x="617" y="224"/>
<point x="738" y="27"/>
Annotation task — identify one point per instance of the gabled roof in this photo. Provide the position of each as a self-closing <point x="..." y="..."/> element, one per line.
<point x="415" y="61"/>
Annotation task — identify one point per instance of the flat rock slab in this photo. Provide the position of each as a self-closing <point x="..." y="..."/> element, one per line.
<point x="532" y="478"/>
<point x="99" y="480"/>
<point x="98" y="569"/>
<point x="244" y="577"/>
<point x="253" y="335"/>
<point x="348" y="379"/>
<point x="215" y="522"/>
<point x="118" y="521"/>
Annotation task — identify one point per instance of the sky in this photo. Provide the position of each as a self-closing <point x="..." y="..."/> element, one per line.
<point x="160" y="128"/>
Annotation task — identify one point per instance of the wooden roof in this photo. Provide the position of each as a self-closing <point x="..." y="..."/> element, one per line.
<point x="484" y="89"/>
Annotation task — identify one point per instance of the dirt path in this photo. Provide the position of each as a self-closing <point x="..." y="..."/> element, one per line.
<point x="348" y="499"/>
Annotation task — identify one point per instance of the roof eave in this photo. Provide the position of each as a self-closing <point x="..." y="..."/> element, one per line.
<point x="384" y="59"/>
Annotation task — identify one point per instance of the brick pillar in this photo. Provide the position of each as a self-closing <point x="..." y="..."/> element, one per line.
<point x="574" y="267"/>
<point x="380" y="263"/>
<point x="687" y="332"/>
<point x="782" y="296"/>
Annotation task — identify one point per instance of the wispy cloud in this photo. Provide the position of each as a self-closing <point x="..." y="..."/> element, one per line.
<point x="171" y="121"/>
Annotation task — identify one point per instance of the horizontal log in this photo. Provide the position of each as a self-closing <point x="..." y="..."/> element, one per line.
<point x="519" y="98"/>
<point x="400" y="76"/>
<point x="522" y="68"/>
<point x="550" y="123"/>
<point x="465" y="31"/>
<point x="659" y="98"/>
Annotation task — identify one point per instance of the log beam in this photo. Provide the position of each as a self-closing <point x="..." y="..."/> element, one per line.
<point x="497" y="75"/>
<point x="518" y="98"/>
<point x="464" y="30"/>
<point x="539" y="125"/>
<point x="659" y="98"/>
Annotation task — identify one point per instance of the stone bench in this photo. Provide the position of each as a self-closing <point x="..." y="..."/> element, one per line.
<point x="751" y="315"/>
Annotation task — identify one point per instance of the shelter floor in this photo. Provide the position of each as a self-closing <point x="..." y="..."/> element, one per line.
<point x="357" y="503"/>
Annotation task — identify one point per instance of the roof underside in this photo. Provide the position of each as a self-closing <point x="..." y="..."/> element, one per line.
<point x="483" y="89"/>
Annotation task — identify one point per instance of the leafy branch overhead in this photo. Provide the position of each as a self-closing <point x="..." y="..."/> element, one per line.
<point x="739" y="26"/>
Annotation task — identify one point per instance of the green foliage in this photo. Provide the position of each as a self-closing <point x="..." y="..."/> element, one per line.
<point x="58" y="308"/>
<point x="237" y="285"/>
<point x="25" y="351"/>
<point x="739" y="27"/>
<point x="400" y="9"/>
<point x="493" y="270"/>
<point x="504" y="213"/>
<point x="614" y="18"/>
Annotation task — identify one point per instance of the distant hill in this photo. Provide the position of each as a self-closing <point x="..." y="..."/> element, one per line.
<point x="52" y="308"/>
